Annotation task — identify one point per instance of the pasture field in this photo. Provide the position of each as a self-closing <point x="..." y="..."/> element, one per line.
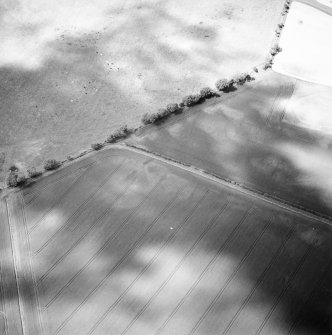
<point x="71" y="72"/>
<point x="121" y="243"/>
<point x="261" y="135"/>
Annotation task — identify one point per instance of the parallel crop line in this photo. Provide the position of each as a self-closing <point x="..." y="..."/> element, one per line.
<point x="207" y="267"/>
<point x="212" y="222"/>
<point x="14" y="261"/>
<point x="147" y="266"/>
<point x="79" y="210"/>
<point x="106" y="243"/>
<point x="297" y="319"/>
<point x="284" y="89"/>
<point x="64" y="175"/>
<point x="273" y="307"/>
<point x="100" y="218"/>
<point x="2" y="204"/>
<point x="36" y="195"/>
<point x="133" y="247"/>
<point x="30" y="265"/>
<point x="3" y="302"/>
<point x="56" y="202"/>
<point x="260" y="279"/>
<point x="289" y="92"/>
<point x="269" y="117"/>
<point x="230" y="278"/>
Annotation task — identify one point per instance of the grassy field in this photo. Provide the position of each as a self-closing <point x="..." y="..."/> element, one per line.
<point x="261" y="135"/>
<point x="71" y="73"/>
<point x="120" y="243"/>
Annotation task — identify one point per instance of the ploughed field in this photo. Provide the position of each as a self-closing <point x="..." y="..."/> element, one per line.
<point x="121" y="243"/>
<point x="273" y="135"/>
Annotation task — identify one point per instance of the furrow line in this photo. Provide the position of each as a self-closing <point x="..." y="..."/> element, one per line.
<point x="129" y="252"/>
<point x="99" y="219"/>
<point x="289" y="93"/>
<point x="56" y="202"/>
<point x="295" y="272"/>
<point x="269" y="117"/>
<point x="39" y="313"/>
<point x="259" y="281"/>
<point x="147" y="266"/>
<point x="230" y="278"/>
<point x="15" y="260"/>
<point x="79" y="210"/>
<point x="207" y="267"/>
<point x="297" y="319"/>
<point x="40" y="189"/>
<point x="30" y="201"/>
<point x="106" y="243"/>
<point x="212" y="222"/>
<point x="4" y="313"/>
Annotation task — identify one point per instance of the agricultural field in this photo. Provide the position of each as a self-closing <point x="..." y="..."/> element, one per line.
<point x="273" y="135"/>
<point x="231" y="234"/>
<point x="121" y="243"/>
<point x="307" y="58"/>
<point x="73" y="71"/>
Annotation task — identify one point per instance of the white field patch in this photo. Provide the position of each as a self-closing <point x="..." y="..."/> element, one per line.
<point x="310" y="107"/>
<point x="307" y="45"/>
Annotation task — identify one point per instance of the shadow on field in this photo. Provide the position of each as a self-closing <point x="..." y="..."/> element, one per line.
<point x="247" y="139"/>
<point x="295" y="288"/>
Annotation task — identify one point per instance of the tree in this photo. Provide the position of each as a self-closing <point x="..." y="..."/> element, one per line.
<point x="224" y="85"/>
<point x="51" y="164"/>
<point x="191" y="100"/>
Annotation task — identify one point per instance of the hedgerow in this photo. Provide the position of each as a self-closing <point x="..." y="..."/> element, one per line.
<point x="172" y="108"/>
<point x="96" y="146"/>
<point x="13" y="168"/>
<point x="51" y="164"/>
<point x="242" y="78"/>
<point x="33" y="173"/>
<point x="15" y="178"/>
<point x="11" y="179"/>
<point x="224" y="85"/>
<point x="191" y="100"/>
<point x="207" y="93"/>
<point x="122" y="132"/>
<point x="275" y="50"/>
<point x="268" y="64"/>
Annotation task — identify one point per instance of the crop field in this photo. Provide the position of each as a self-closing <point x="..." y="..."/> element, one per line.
<point x="71" y="72"/>
<point x="263" y="135"/>
<point x="307" y="58"/>
<point x="121" y="243"/>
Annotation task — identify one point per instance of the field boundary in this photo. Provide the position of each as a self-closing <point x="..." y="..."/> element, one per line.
<point x="294" y="208"/>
